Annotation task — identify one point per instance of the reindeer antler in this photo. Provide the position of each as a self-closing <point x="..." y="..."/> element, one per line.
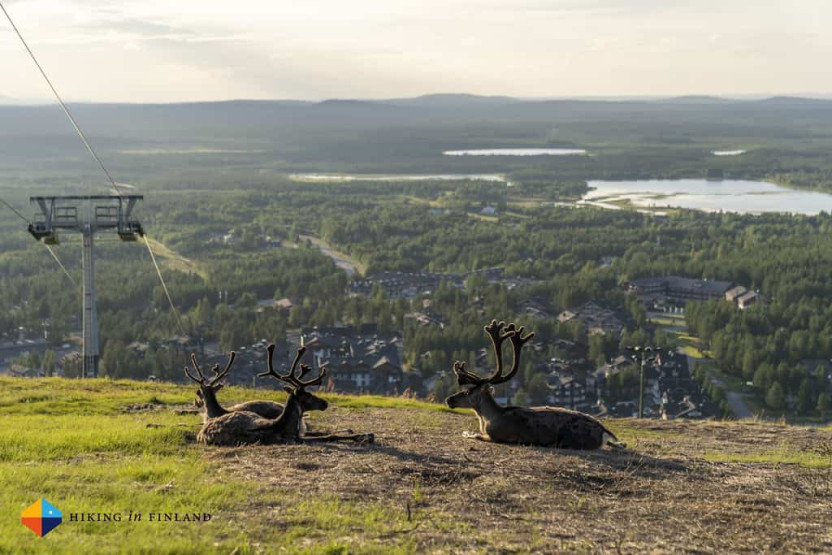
<point x="195" y="364"/>
<point x="294" y="380"/>
<point x="271" y="371"/>
<point x="497" y="334"/>
<point x="218" y="376"/>
<point x="517" y="342"/>
<point x="464" y="377"/>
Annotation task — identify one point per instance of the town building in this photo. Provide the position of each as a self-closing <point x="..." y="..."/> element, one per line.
<point x="679" y="289"/>
<point x="411" y="285"/>
<point x="748" y="299"/>
<point x="577" y="392"/>
<point x="357" y="360"/>
<point x="735" y="293"/>
<point x="596" y="319"/>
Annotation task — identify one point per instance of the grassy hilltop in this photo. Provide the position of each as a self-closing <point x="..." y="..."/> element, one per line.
<point x="118" y="446"/>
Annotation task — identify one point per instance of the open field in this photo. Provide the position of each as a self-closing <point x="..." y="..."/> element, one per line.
<point x="174" y="261"/>
<point x="116" y="447"/>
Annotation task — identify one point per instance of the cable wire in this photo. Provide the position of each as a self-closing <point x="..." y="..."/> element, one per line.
<point x="13" y="209"/>
<point x="61" y="264"/>
<point x="52" y="252"/>
<point x="165" y="287"/>
<point x="61" y="102"/>
<point x="100" y="164"/>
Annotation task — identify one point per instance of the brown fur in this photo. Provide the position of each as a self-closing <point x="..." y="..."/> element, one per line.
<point x="245" y="427"/>
<point x="232" y="429"/>
<point x="240" y="428"/>
<point x="266" y="409"/>
<point x="544" y="426"/>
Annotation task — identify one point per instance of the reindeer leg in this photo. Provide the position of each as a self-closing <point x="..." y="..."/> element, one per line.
<point x="475" y="435"/>
<point x="322" y="434"/>
<point x="359" y="438"/>
<point x="616" y="445"/>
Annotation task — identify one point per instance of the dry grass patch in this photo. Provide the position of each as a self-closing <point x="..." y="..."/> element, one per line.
<point x="440" y="492"/>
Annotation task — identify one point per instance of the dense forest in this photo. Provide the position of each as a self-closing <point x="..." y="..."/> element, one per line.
<point x="436" y="226"/>
<point x="219" y="193"/>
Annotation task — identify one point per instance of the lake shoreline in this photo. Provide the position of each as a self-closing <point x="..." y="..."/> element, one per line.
<point x="727" y="195"/>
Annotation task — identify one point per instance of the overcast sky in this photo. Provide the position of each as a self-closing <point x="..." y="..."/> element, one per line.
<point x="181" y="50"/>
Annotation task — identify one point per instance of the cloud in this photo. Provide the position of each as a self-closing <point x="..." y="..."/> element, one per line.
<point x="157" y="50"/>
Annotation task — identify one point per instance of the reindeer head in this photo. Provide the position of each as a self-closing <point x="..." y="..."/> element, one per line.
<point x="208" y="387"/>
<point x="471" y="396"/>
<point x="199" y="399"/>
<point x="295" y="385"/>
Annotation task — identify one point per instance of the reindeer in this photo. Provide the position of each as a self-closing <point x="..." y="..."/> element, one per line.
<point x="242" y="427"/>
<point x="206" y="395"/>
<point x="307" y="401"/>
<point x="544" y="426"/>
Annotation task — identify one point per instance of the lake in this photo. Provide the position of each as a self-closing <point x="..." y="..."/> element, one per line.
<point x="728" y="152"/>
<point x="745" y="197"/>
<point x="340" y="177"/>
<point x="517" y="152"/>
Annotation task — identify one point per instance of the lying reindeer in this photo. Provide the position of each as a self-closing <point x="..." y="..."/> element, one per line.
<point x="209" y="407"/>
<point x="206" y="396"/>
<point x="243" y="427"/>
<point x="544" y="426"/>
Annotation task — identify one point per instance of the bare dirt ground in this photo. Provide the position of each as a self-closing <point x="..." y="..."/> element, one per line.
<point x="679" y="487"/>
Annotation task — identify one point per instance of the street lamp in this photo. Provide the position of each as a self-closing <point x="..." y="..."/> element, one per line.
<point x="642" y="354"/>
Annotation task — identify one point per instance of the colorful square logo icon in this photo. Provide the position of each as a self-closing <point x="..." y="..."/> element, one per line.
<point x="41" y="517"/>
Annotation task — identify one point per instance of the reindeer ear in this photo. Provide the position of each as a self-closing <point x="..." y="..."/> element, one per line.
<point x="288" y="389"/>
<point x="491" y="389"/>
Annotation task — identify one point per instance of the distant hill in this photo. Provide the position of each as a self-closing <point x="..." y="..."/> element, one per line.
<point x="792" y="100"/>
<point x="698" y="99"/>
<point x="452" y="100"/>
<point x="395" y="132"/>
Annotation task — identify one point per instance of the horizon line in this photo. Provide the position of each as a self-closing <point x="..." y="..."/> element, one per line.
<point x="5" y="101"/>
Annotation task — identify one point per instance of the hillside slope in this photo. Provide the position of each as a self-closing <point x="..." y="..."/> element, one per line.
<point x="116" y="447"/>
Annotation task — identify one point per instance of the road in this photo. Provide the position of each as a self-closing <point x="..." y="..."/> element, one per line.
<point x="343" y="261"/>
<point x="735" y="400"/>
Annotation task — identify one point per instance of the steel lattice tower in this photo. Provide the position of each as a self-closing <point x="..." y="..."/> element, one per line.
<point x="104" y="213"/>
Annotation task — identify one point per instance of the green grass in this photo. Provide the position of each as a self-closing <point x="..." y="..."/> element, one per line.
<point x="808" y="459"/>
<point x="84" y="446"/>
<point x="108" y="464"/>
<point x="78" y="444"/>
<point x="47" y="438"/>
<point x="667" y="320"/>
<point x="691" y="345"/>
<point x="56" y="396"/>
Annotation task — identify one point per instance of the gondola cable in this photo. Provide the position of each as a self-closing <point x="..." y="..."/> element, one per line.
<point x="97" y="159"/>
<point x="51" y="251"/>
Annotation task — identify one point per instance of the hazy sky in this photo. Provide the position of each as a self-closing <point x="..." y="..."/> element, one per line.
<point x="179" y="50"/>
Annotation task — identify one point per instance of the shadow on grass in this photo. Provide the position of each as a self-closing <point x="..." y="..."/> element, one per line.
<point x="385" y="448"/>
<point x="627" y="461"/>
